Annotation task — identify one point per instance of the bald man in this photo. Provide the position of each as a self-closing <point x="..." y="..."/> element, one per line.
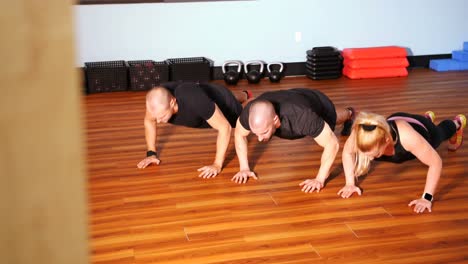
<point x="292" y="114"/>
<point x="193" y="105"/>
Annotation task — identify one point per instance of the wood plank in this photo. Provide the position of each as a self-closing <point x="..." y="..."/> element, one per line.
<point x="167" y="214"/>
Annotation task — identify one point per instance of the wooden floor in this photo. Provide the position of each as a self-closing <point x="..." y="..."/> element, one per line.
<point x="166" y="214"/>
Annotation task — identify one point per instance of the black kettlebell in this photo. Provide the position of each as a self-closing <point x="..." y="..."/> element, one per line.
<point x="275" y="75"/>
<point x="254" y="76"/>
<point x="231" y="76"/>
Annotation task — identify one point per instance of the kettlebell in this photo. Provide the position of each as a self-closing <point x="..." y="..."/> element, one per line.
<point x="275" y="75"/>
<point x="254" y="76"/>
<point x="231" y="76"/>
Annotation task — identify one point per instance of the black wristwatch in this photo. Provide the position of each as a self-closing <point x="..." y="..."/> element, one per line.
<point x="428" y="197"/>
<point x="150" y="153"/>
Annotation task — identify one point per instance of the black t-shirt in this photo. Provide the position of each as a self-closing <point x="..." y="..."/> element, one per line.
<point x="302" y="112"/>
<point x="196" y="103"/>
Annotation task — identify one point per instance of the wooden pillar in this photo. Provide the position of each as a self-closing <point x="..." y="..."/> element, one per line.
<point x="42" y="173"/>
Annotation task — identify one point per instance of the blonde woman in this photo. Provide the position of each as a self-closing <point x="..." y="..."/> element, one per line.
<point x="399" y="138"/>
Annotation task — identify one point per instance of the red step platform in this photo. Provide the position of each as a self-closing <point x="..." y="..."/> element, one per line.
<point x="375" y="62"/>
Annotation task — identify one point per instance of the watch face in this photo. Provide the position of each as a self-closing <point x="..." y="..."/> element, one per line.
<point x="428" y="196"/>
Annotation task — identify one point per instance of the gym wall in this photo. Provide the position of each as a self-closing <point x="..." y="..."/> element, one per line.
<point x="265" y="29"/>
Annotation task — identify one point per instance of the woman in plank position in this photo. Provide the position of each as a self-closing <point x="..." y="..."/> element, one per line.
<point x="399" y="138"/>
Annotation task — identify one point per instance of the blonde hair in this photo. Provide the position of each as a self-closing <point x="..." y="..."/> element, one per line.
<point x="371" y="131"/>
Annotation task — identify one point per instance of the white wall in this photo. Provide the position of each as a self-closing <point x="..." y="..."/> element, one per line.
<point x="265" y="29"/>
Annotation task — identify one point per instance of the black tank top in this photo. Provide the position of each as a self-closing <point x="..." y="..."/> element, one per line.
<point x="401" y="154"/>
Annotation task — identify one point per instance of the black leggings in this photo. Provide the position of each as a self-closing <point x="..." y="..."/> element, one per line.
<point x="435" y="135"/>
<point x="443" y="131"/>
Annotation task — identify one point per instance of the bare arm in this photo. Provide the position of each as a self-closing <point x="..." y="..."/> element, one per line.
<point x="413" y="142"/>
<point x="328" y="141"/>
<point x="150" y="136"/>
<point x="349" y="162"/>
<point x="220" y="123"/>
<point x="150" y="132"/>
<point x="349" y="159"/>
<point x="240" y="138"/>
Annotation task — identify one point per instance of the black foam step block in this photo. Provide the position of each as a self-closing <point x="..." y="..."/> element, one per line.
<point x="323" y="52"/>
<point x="326" y="77"/>
<point x="325" y="58"/>
<point x="324" y="63"/>
<point x="321" y="68"/>
<point x="324" y="73"/>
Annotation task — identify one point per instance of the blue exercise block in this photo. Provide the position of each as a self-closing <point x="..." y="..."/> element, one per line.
<point x="448" y="65"/>
<point x="465" y="46"/>
<point x="460" y="55"/>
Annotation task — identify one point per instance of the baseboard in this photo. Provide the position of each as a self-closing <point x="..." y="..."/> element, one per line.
<point x="422" y="61"/>
<point x="298" y="68"/>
